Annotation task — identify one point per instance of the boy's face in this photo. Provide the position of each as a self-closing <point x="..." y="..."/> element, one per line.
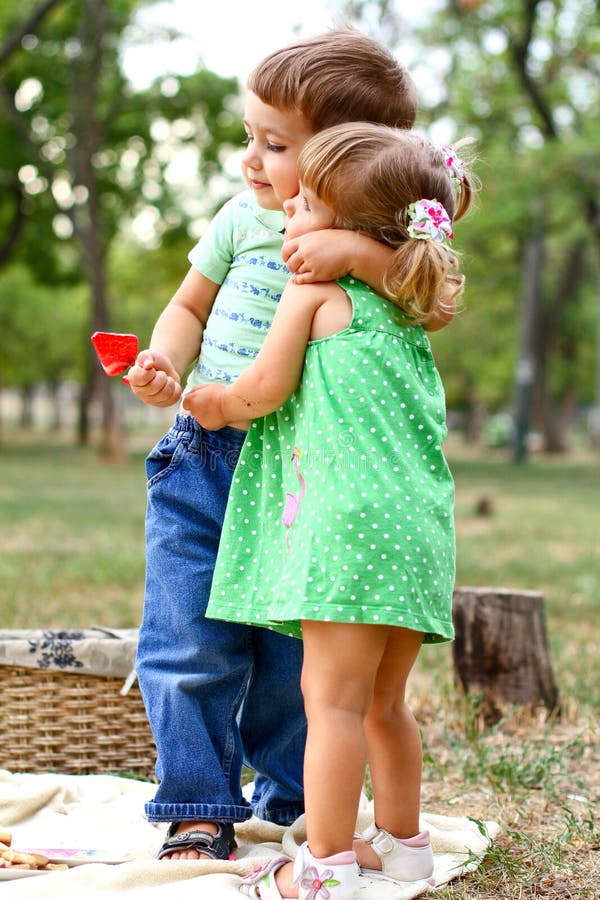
<point x="275" y="139"/>
<point x="304" y="213"/>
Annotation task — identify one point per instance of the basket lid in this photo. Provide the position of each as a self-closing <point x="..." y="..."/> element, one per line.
<point x="96" y="651"/>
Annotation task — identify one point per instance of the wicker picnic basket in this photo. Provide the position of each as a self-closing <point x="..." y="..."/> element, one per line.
<point x="57" y="714"/>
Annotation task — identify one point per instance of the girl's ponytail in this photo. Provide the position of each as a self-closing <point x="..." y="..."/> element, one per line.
<point x="423" y="278"/>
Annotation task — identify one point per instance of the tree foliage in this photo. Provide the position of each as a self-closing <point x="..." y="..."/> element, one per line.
<point x="91" y="206"/>
<point x="522" y="77"/>
<point x="83" y="154"/>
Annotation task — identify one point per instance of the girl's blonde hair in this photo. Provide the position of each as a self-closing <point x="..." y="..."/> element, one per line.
<point x="369" y="175"/>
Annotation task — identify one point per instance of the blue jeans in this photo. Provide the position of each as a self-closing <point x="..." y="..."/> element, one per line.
<point x="217" y="694"/>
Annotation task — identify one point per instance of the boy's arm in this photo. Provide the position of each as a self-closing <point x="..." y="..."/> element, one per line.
<point x="265" y="384"/>
<point x="330" y="254"/>
<point x="156" y="376"/>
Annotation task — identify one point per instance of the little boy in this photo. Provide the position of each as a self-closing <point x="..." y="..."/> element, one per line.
<point x="219" y="694"/>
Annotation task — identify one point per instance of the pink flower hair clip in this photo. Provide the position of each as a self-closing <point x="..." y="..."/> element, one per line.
<point x="429" y="221"/>
<point x="454" y="166"/>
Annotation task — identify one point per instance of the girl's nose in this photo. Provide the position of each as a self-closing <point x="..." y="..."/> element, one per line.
<point x="290" y="206"/>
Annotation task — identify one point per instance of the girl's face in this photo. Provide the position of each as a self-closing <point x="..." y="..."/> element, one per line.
<point x="275" y="139"/>
<point x="304" y="213"/>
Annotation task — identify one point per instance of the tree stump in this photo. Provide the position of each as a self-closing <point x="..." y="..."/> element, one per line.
<point x="501" y="649"/>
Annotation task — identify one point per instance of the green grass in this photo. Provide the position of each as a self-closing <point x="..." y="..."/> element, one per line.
<point x="543" y="534"/>
<point x="71" y="533"/>
<point x="72" y="538"/>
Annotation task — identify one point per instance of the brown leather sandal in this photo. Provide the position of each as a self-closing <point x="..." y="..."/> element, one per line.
<point x="215" y="846"/>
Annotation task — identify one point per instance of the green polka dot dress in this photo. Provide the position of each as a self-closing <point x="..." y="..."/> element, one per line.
<point x="341" y="507"/>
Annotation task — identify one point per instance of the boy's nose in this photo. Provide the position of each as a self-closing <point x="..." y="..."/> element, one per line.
<point x="249" y="159"/>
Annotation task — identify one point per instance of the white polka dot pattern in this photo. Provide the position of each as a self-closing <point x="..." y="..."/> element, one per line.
<point x="355" y="459"/>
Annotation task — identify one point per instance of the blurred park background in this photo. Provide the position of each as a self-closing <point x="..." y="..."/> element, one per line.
<point x="112" y="162"/>
<point x="117" y="144"/>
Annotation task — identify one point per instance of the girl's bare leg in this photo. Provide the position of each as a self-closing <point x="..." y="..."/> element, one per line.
<point x="394" y="744"/>
<point x="338" y="678"/>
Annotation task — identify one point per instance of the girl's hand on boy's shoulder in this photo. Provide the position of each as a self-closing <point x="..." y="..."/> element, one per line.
<point x="204" y="403"/>
<point x="319" y="255"/>
<point x="154" y="380"/>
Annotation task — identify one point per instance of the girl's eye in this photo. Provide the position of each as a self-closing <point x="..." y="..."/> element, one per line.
<point x="247" y="139"/>
<point x="305" y="205"/>
<point x="275" y="148"/>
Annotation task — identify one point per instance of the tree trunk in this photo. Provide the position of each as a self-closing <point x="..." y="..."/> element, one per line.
<point x="501" y="649"/>
<point x="27" y="396"/>
<point x="556" y="339"/>
<point x="83" y="419"/>
<point x="558" y="420"/>
<point x="89" y="132"/>
<point x="475" y="414"/>
<point x="56" y="422"/>
<point x="533" y="257"/>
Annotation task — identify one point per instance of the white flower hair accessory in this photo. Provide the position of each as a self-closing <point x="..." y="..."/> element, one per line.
<point x="429" y="221"/>
<point x="454" y="166"/>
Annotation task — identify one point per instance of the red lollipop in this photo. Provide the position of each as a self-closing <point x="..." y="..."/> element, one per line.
<point x="116" y="352"/>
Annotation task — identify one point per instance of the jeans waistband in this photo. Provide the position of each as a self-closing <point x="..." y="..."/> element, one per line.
<point x="225" y="439"/>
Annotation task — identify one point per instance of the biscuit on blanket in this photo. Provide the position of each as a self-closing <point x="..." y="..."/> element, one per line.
<point x="19" y="858"/>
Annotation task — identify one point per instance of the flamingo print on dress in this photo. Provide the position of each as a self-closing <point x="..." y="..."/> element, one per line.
<point x="292" y="502"/>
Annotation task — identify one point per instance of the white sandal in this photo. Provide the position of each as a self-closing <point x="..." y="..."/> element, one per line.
<point x="334" y="876"/>
<point x="401" y="860"/>
<point x="260" y="884"/>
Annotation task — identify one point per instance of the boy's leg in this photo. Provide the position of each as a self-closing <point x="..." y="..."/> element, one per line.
<point x="273" y="727"/>
<point x="193" y="671"/>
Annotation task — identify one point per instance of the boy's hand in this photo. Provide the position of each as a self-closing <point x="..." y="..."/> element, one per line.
<point x="204" y="404"/>
<point x="319" y="255"/>
<point x="154" y="380"/>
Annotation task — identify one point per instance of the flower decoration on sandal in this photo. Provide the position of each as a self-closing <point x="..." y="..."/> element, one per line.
<point x="429" y="221"/>
<point x="317" y="883"/>
<point x="454" y="166"/>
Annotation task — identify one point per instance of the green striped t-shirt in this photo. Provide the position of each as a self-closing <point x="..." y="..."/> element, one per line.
<point x="240" y="251"/>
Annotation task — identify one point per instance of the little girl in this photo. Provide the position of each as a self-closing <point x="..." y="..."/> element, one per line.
<point x="339" y="526"/>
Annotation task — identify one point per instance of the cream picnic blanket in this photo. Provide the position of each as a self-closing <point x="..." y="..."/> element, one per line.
<point x="104" y="813"/>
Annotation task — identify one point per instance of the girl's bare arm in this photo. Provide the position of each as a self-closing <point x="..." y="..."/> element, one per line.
<point x="276" y="371"/>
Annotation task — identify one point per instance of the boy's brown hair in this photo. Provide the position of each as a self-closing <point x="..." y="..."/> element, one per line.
<point x="336" y="77"/>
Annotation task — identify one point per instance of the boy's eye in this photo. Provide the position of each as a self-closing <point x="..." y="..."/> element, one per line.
<point x="247" y="139"/>
<point x="275" y="148"/>
<point x="305" y="205"/>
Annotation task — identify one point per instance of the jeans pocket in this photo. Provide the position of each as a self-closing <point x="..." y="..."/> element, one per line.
<point x="165" y="456"/>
